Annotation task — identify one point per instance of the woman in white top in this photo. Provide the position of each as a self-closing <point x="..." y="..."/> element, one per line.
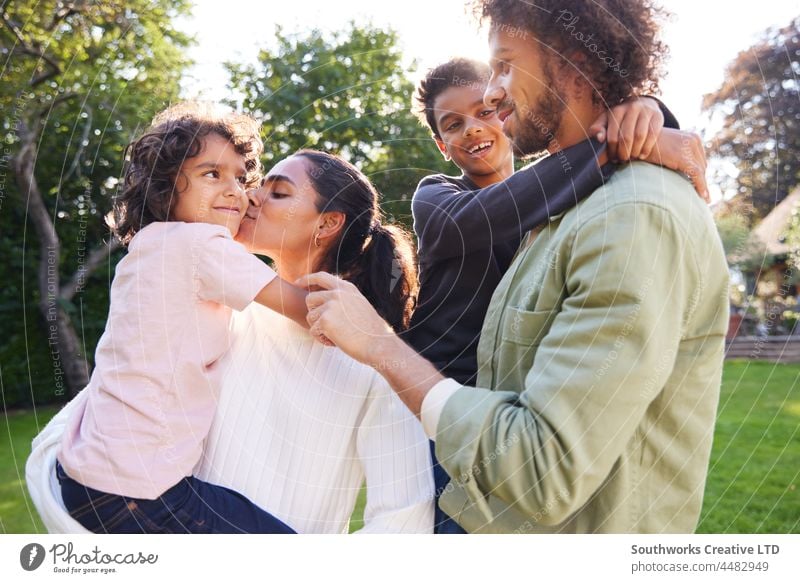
<point x="300" y="425"/>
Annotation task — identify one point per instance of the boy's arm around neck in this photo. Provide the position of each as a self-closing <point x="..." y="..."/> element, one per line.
<point x="450" y="222"/>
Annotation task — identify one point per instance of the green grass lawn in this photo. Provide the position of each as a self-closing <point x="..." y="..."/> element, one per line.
<point x="17" y="430"/>
<point x="754" y="477"/>
<point x="752" y="484"/>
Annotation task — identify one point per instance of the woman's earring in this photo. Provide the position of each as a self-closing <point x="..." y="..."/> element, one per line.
<point x="316" y="240"/>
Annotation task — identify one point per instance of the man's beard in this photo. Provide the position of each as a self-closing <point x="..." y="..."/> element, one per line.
<point x="537" y="126"/>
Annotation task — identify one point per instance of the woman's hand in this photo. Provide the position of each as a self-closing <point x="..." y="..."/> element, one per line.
<point x="337" y="312"/>
<point x="683" y="152"/>
<point x="630" y="129"/>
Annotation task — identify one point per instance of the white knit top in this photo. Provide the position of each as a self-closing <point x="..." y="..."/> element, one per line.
<point x="298" y="428"/>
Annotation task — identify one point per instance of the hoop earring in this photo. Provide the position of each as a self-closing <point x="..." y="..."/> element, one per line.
<point x="316" y="240"/>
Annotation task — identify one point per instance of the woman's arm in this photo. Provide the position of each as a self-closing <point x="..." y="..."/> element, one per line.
<point x="40" y="472"/>
<point x="395" y="454"/>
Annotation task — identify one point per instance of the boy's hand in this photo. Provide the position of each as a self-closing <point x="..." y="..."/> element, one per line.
<point x="630" y="130"/>
<point x="684" y="152"/>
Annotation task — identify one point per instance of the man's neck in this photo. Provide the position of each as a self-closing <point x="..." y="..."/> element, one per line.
<point x="575" y="124"/>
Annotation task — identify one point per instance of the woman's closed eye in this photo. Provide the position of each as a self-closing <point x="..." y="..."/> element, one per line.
<point x="278" y="195"/>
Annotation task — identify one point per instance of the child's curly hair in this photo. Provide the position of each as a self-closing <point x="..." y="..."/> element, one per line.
<point x="153" y="161"/>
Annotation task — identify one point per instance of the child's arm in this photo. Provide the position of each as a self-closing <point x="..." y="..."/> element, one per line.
<point x="451" y="222"/>
<point x="683" y="152"/>
<point x="633" y="131"/>
<point x="286" y="299"/>
<point x="630" y="129"/>
<point x="229" y="275"/>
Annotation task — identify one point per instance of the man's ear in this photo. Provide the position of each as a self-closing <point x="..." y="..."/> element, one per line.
<point x="442" y="147"/>
<point x="331" y="224"/>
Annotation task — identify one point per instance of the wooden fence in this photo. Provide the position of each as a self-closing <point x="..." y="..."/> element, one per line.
<point x="783" y="349"/>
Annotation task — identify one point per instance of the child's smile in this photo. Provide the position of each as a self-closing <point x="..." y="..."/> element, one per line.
<point x="211" y="186"/>
<point x="470" y="133"/>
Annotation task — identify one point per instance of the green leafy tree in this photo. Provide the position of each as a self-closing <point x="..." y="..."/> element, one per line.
<point x="347" y="93"/>
<point x="793" y="242"/>
<point x="742" y="248"/>
<point x="77" y="79"/>
<point x="760" y="114"/>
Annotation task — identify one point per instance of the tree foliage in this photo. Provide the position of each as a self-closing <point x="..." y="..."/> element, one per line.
<point x="759" y="110"/>
<point x="743" y="249"/>
<point x="77" y="79"/>
<point x="347" y="93"/>
<point x="793" y="242"/>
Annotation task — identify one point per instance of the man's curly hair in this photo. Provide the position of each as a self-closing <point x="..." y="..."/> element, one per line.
<point x="149" y="187"/>
<point x="457" y="72"/>
<point x="619" y="39"/>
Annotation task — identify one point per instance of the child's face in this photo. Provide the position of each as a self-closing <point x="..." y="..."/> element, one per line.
<point x="211" y="186"/>
<point x="470" y="133"/>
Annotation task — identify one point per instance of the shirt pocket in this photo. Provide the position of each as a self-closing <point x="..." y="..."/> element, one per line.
<point x="521" y="334"/>
<point x="526" y="328"/>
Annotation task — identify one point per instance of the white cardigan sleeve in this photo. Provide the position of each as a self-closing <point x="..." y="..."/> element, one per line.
<point x="40" y="473"/>
<point x="395" y="454"/>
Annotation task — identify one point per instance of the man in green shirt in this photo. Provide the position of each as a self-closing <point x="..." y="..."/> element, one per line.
<point x="601" y="353"/>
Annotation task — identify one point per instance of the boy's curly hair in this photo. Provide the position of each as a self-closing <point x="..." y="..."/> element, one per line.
<point x="619" y="39"/>
<point x="153" y="162"/>
<point x="457" y="72"/>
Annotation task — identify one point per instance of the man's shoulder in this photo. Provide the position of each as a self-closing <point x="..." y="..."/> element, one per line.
<point x="640" y="184"/>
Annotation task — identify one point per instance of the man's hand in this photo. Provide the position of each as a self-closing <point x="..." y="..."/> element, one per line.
<point x="339" y="313"/>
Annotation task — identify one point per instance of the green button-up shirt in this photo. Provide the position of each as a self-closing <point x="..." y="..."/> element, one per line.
<point x="601" y="357"/>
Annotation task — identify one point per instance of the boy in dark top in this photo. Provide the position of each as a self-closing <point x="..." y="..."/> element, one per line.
<point x="469" y="227"/>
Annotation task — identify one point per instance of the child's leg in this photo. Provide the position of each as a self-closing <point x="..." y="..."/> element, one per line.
<point x="214" y="509"/>
<point x="191" y="506"/>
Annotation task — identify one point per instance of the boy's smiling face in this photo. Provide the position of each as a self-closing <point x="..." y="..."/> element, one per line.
<point x="471" y="135"/>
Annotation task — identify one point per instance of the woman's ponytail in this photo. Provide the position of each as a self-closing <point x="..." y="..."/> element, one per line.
<point x="386" y="274"/>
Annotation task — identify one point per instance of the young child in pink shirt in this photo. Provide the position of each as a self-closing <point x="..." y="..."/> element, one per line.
<point x="127" y="455"/>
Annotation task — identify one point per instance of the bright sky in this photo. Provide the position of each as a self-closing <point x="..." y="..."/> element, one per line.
<point x="703" y="37"/>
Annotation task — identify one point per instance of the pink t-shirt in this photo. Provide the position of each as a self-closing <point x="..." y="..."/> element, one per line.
<point x="154" y="389"/>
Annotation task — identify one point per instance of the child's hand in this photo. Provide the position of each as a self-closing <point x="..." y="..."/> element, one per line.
<point x="630" y="130"/>
<point x="684" y="152"/>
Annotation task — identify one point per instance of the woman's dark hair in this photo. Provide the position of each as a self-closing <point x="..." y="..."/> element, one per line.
<point x="458" y="72"/>
<point x="618" y="39"/>
<point x="153" y="162"/>
<point x="377" y="258"/>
